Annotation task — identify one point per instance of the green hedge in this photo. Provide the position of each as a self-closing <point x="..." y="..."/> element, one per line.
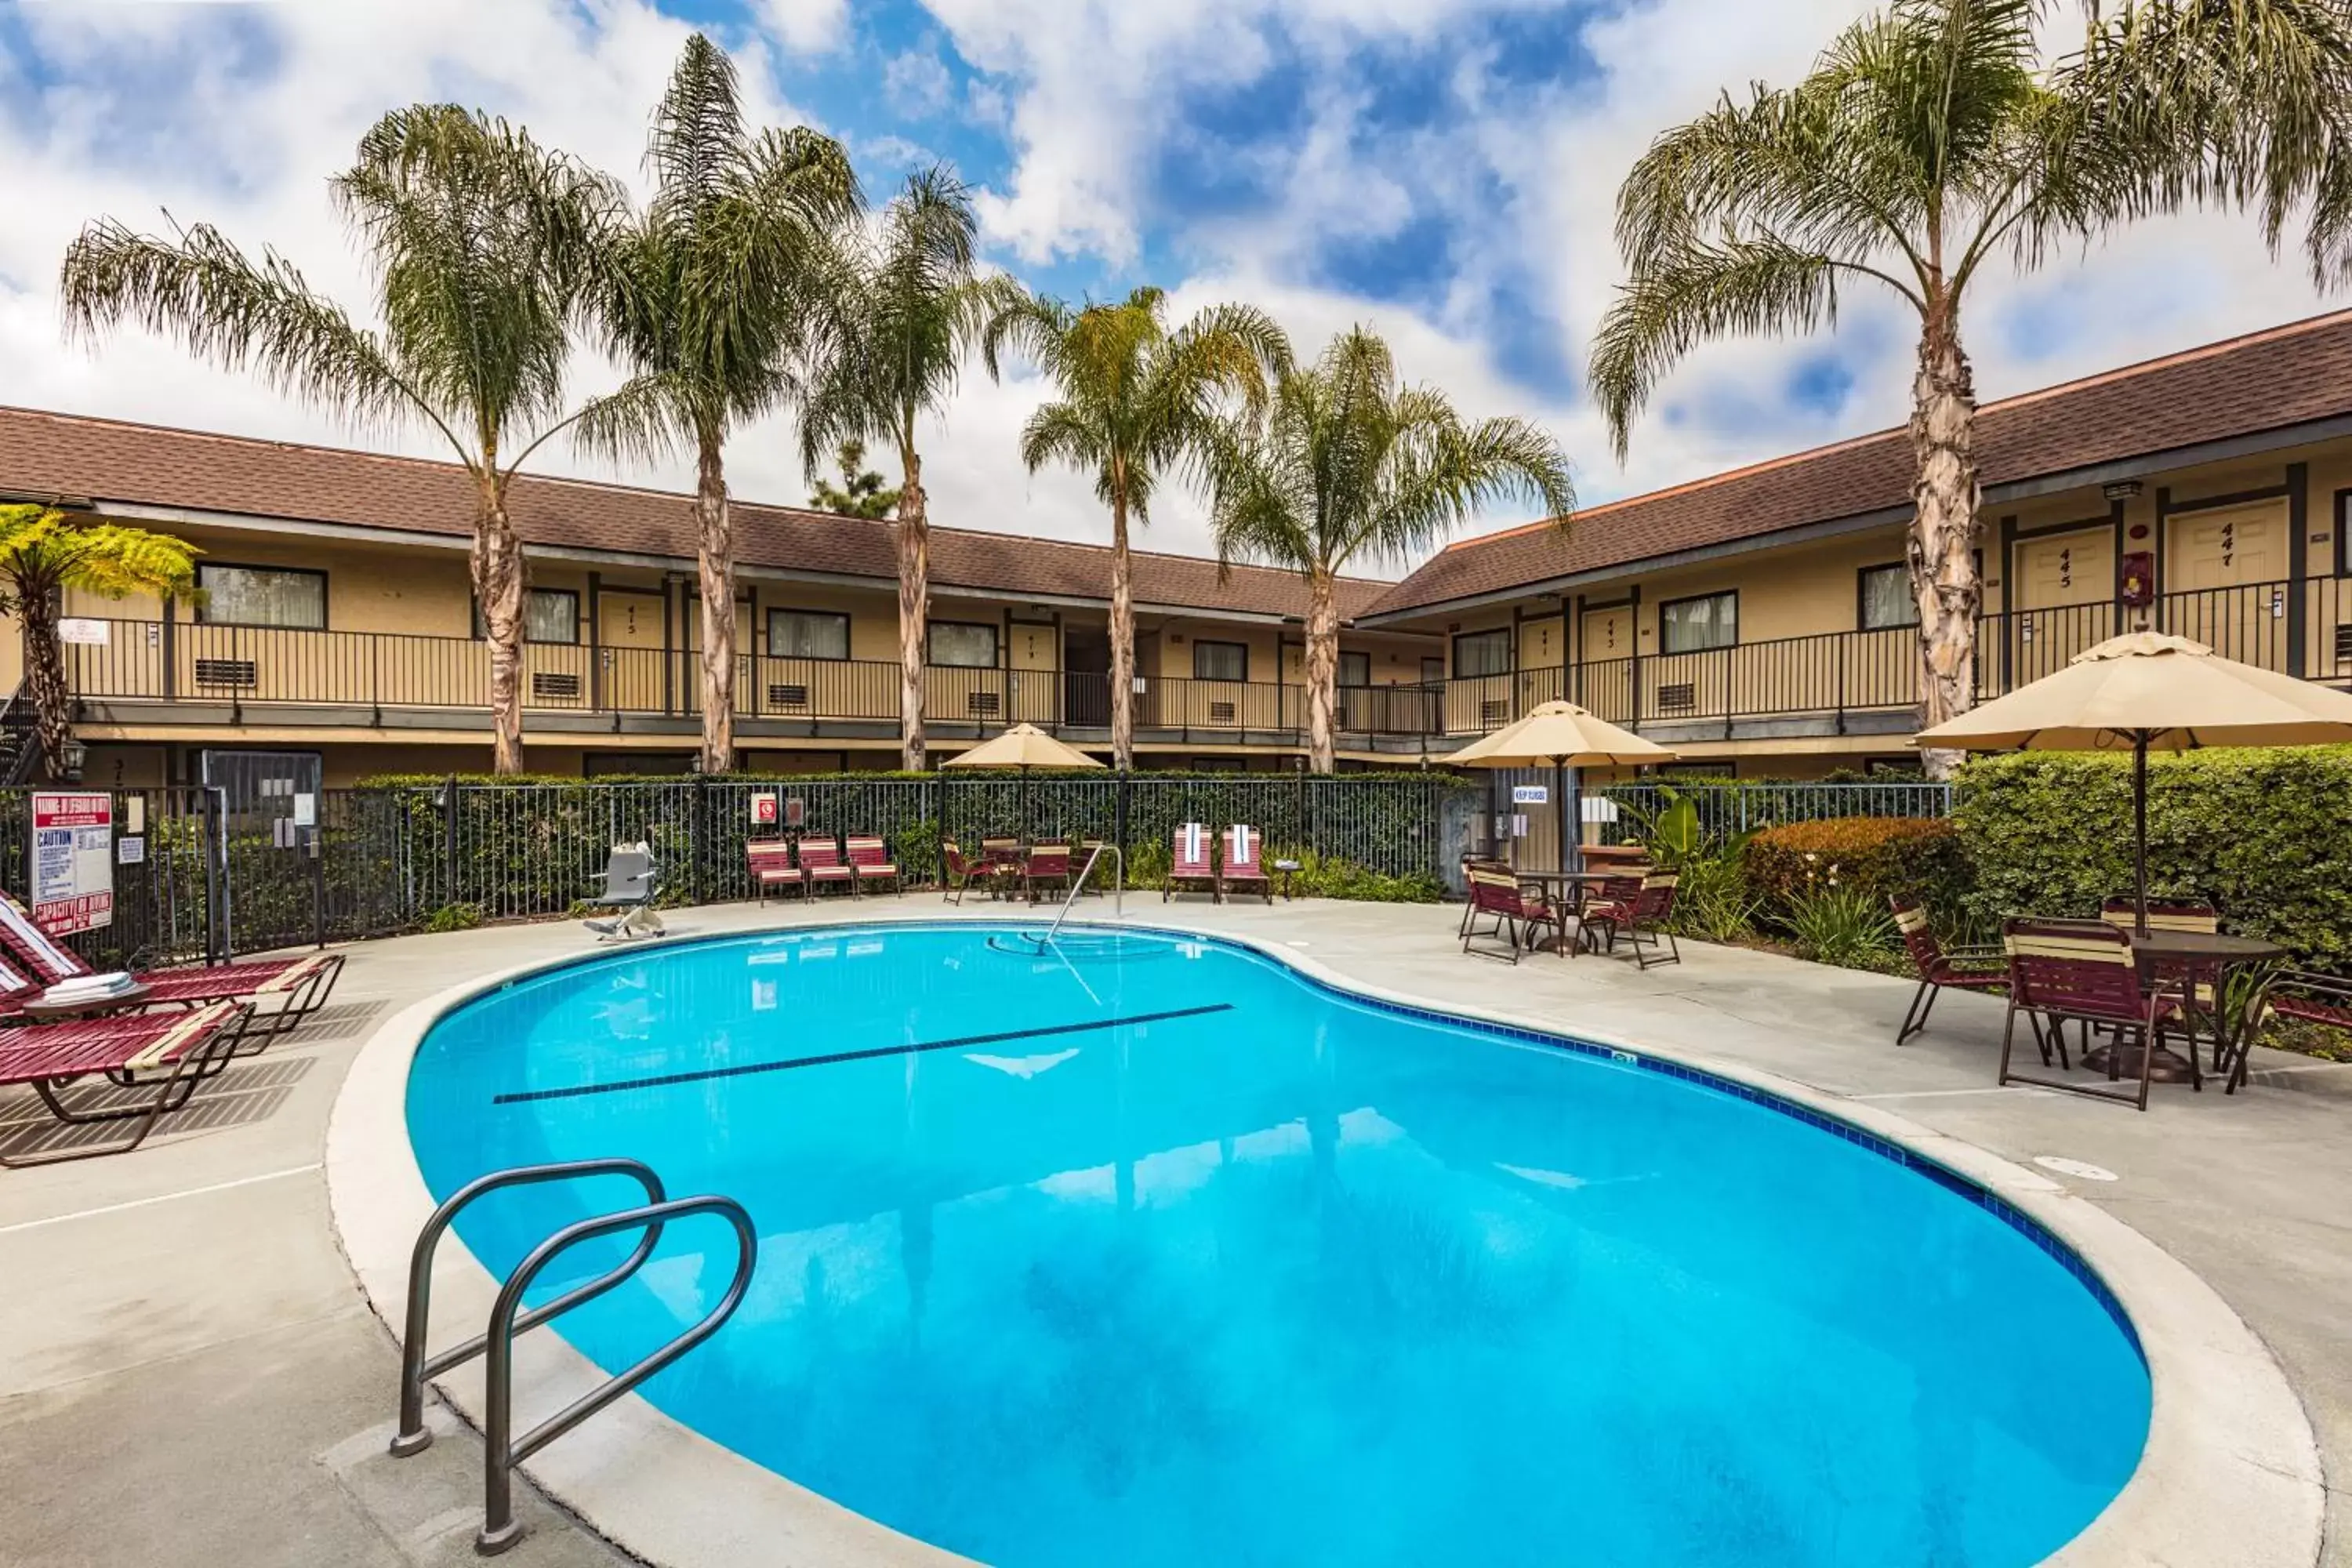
<point x="2265" y="834"/>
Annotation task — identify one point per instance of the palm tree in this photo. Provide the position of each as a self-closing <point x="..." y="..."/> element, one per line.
<point x="1347" y="464"/>
<point x="480" y="240"/>
<point x="1137" y="398"/>
<point x="909" y="308"/>
<point x="1933" y="140"/>
<point x="707" y="297"/>
<point x="43" y="553"/>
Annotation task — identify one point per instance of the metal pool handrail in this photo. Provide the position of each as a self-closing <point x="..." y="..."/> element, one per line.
<point x="415" y="1367"/>
<point x="501" y="1450"/>
<point x="1119" y="897"/>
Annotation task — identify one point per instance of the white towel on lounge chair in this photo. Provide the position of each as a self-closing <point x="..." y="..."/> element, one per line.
<point x="1195" y="847"/>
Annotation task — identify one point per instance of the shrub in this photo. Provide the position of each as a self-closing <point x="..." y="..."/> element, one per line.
<point x="453" y="916"/>
<point x="1872" y="857"/>
<point x="2266" y="835"/>
<point x="1713" y="900"/>
<point x="1842" y="925"/>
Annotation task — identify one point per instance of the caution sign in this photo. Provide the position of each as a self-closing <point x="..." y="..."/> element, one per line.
<point x="73" y="859"/>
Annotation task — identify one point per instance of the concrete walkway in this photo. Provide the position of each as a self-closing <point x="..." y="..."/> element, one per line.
<point x="191" y="1377"/>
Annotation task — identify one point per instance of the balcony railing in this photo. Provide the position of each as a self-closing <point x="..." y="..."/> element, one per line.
<point x="1837" y="678"/>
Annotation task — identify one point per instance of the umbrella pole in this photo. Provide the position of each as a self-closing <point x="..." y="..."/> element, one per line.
<point x="2139" y="827"/>
<point x="1567" y="848"/>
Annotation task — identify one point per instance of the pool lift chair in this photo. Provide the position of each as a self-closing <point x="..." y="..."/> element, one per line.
<point x="629" y="888"/>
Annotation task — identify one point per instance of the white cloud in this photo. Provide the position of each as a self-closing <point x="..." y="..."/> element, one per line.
<point x="916" y="84"/>
<point x="1088" y="94"/>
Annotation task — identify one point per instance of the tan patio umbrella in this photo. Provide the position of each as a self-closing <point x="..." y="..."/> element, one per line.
<point x="1023" y="746"/>
<point x="1560" y="736"/>
<point x="2150" y="691"/>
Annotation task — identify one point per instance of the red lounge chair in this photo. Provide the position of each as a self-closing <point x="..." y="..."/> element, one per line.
<point x="1048" y="868"/>
<point x="1960" y="968"/>
<point x="1243" y="870"/>
<point x="869" y="859"/>
<point x="194" y="1045"/>
<point x="1640" y="908"/>
<point x="1189" y="868"/>
<point x="821" y="862"/>
<point x="1519" y="911"/>
<point x="2081" y="970"/>
<point x="771" y="863"/>
<point x="298" y="986"/>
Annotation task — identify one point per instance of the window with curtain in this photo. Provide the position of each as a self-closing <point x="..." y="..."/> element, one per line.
<point x="1692" y="626"/>
<point x="549" y="615"/>
<point x="1482" y="653"/>
<point x="810" y="634"/>
<point x="963" y="645"/>
<point x="1220" y="661"/>
<point x="1355" y="669"/>
<point x="262" y="596"/>
<point x="1433" y="669"/>
<point x="1886" y="598"/>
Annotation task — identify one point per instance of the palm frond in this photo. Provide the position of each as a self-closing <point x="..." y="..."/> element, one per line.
<point x="1697" y="292"/>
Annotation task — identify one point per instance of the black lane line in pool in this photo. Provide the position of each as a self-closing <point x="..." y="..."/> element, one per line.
<point x="665" y="1080"/>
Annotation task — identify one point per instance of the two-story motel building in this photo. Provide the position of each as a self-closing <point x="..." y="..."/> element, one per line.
<point x="1758" y="621"/>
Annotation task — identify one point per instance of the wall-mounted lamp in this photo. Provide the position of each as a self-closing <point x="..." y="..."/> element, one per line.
<point x="2122" y="490"/>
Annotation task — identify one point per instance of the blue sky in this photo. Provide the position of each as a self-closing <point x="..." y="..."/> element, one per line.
<point x="1443" y="169"/>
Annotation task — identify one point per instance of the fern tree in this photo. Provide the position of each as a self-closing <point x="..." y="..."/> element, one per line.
<point x="1935" y="140"/>
<point x="480" y="242"/>
<point x="709" y="296"/>
<point x="908" y="306"/>
<point x="43" y="553"/>
<point x="1136" y="399"/>
<point x="1348" y="465"/>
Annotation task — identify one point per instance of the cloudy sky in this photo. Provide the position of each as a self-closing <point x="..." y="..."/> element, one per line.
<point x="1441" y="168"/>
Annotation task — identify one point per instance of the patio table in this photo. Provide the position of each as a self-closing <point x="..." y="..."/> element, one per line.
<point x="89" y="1007"/>
<point x="1561" y="881"/>
<point x="2200" y="959"/>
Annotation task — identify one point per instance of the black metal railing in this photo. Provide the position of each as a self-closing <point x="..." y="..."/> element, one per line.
<point x="2303" y="628"/>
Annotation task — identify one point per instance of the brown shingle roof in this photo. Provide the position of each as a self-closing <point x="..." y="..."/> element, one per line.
<point x="2265" y="380"/>
<point x="102" y="461"/>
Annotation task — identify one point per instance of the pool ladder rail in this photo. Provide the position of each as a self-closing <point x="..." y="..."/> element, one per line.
<point x="502" y="1450"/>
<point x="1079" y="885"/>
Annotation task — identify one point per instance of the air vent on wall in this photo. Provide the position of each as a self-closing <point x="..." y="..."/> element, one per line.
<point x="551" y="686"/>
<point x="1679" y="697"/>
<point x="1220" y="713"/>
<point x="243" y="673"/>
<point x="787" y="696"/>
<point x="980" y="704"/>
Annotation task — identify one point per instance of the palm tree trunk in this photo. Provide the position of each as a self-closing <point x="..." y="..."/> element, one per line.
<point x="498" y="589"/>
<point x="44" y="680"/>
<point x="914" y="605"/>
<point x="1322" y="671"/>
<point x="1122" y="638"/>
<point x="716" y="560"/>
<point x="1944" y="527"/>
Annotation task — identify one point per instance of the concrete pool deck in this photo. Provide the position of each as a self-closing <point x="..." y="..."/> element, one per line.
<point x="186" y="1312"/>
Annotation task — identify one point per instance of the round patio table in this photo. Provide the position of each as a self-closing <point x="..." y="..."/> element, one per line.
<point x="1562" y="881"/>
<point x="2197" y="959"/>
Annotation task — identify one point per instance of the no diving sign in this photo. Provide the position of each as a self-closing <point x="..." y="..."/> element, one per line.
<point x="73" y="859"/>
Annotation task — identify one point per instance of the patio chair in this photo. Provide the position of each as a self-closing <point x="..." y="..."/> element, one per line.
<point x="1189" y="867"/>
<point x="1000" y="859"/>
<point x="1047" y="868"/>
<point x="2310" y="998"/>
<point x="2176" y="980"/>
<point x="869" y="859"/>
<point x="2081" y="971"/>
<point x="1639" y="908"/>
<point x="956" y="873"/>
<point x="1519" y="911"/>
<point x="296" y="987"/>
<point x="1978" y="968"/>
<point x="194" y="1045"/>
<point x="771" y="863"/>
<point x="820" y="863"/>
<point x="1245" y="870"/>
<point x="1476" y="862"/>
<point x="631" y="882"/>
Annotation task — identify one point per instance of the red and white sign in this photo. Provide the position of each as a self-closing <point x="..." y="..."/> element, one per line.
<point x="73" y="859"/>
<point x="763" y="810"/>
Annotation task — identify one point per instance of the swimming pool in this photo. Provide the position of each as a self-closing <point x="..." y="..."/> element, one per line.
<point x="1150" y="1250"/>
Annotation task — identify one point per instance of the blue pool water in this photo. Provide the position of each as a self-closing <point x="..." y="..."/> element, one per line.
<point x="1154" y="1252"/>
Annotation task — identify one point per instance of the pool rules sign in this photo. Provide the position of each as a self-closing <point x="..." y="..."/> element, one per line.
<point x="73" y="860"/>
